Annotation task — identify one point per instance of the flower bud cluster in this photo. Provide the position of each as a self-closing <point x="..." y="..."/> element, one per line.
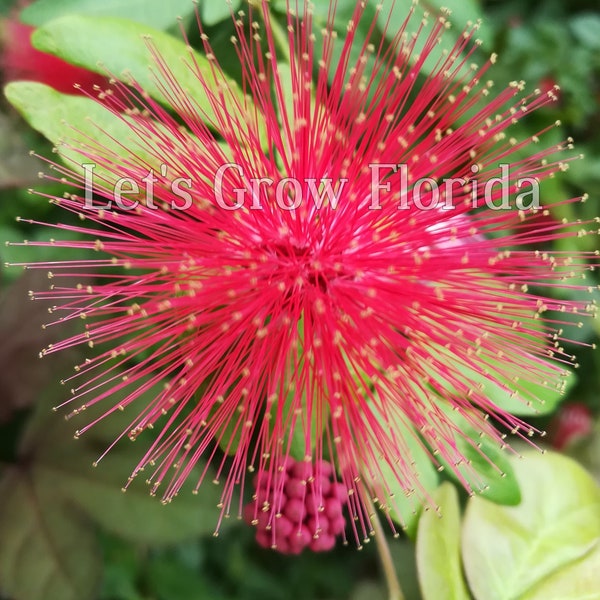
<point x="297" y="506"/>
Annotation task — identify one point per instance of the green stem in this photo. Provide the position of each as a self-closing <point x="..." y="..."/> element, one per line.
<point x="385" y="556"/>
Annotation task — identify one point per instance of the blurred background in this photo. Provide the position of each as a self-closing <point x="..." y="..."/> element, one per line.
<point x="73" y="526"/>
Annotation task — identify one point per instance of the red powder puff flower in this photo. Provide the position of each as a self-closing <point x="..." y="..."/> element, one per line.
<point x="320" y="281"/>
<point x="572" y="423"/>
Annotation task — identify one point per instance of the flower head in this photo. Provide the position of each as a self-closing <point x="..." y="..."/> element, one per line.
<point x="302" y="278"/>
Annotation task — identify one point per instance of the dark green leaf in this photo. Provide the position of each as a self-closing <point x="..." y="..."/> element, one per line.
<point x="135" y="514"/>
<point x="171" y="580"/>
<point x="122" y="566"/>
<point x="461" y="13"/>
<point x="487" y="468"/>
<point x="17" y="168"/>
<point x="47" y="552"/>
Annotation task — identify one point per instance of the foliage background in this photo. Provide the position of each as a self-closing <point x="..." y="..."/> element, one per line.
<point x="64" y="524"/>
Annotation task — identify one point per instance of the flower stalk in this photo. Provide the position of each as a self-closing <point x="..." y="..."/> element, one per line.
<point x="385" y="557"/>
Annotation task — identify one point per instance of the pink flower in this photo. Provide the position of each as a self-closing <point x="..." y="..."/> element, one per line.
<point x="305" y="292"/>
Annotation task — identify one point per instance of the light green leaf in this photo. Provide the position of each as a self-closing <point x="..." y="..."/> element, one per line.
<point x="124" y="49"/>
<point x="403" y="505"/>
<point x="85" y="132"/>
<point x="577" y="581"/>
<point x="47" y="552"/>
<point x="214" y="12"/>
<point x="510" y="388"/>
<point x="76" y="122"/>
<point x="405" y="508"/>
<point x="438" y="549"/>
<point x="509" y="551"/>
<point x="533" y="399"/>
<point x="154" y="13"/>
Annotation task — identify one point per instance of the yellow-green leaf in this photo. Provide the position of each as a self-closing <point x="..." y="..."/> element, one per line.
<point x="508" y="552"/>
<point x="438" y="549"/>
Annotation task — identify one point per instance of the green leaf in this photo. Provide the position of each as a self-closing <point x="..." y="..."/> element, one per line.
<point x="17" y="168"/>
<point x="169" y="579"/>
<point x="18" y="252"/>
<point x="135" y="515"/>
<point x="291" y="417"/>
<point x="229" y="435"/>
<point x="295" y="420"/>
<point x="405" y="563"/>
<point x="509" y="386"/>
<point x="47" y="552"/>
<point x="154" y="13"/>
<point x="438" y="549"/>
<point x="488" y="467"/>
<point x="577" y="581"/>
<point x="46" y="494"/>
<point x="124" y="49"/>
<point x="294" y="441"/>
<point x="405" y="508"/>
<point x="295" y="444"/>
<point x="214" y="12"/>
<point x="534" y="399"/>
<point x="122" y="569"/>
<point x="461" y="13"/>
<point x="396" y="11"/>
<point x="24" y="377"/>
<point x="86" y="133"/>
<point x="586" y="27"/>
<point x="521" y="396"/>
<point x="75" y="123"/>
<point x="509" y="551"/>
<point x="369" y="590"/>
